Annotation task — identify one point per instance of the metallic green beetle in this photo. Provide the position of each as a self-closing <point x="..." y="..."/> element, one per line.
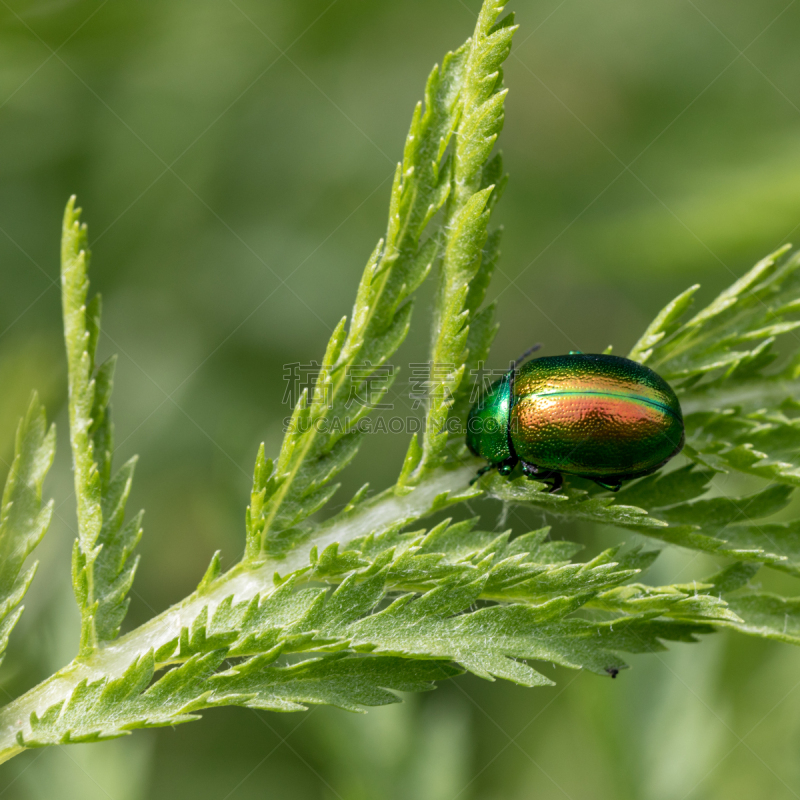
<point x="599" y="417"/>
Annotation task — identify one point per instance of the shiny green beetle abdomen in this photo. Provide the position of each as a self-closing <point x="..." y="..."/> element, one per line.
<point x="597" y="416"/>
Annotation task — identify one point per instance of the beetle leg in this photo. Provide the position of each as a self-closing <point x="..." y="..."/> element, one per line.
<point x="481" y="472"/>
<point x="503" y="468"/>
<point x="534" y="472"/>
<point x="558" y="481"/>
<point x="611" y="487"/>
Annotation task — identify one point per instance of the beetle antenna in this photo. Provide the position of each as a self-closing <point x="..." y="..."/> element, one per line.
<point x="528" y="352"/>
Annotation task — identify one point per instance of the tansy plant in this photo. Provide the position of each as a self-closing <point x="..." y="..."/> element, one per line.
<point x="369" y="602"/>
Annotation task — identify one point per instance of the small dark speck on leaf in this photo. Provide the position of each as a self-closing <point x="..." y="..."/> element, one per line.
<point x="612" y="671"/>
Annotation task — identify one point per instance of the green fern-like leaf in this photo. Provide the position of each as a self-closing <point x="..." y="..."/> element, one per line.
<point x="322" y="437"/>
<point x="90" y="714"/>
<point x="468" y="258"/>
<point x="400" y="613"/>
<point x="23" y="521"/>
<point x="102" y="566"/>
<point x="740" y="415"/>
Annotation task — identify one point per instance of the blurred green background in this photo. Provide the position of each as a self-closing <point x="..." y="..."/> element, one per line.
<point x="234" y="160"/>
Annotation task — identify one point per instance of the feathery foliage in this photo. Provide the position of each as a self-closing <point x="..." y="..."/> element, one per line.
<point x="323" y="434"/>
<point x="465" y="268"/>
<point x="350" y="610"/>
<point x="23" y="521"/>
<point x="102" y="567"/>
<point x="395" y="599"/>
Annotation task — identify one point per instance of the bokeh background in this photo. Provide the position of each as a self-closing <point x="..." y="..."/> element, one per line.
<point x="234" y="159"/>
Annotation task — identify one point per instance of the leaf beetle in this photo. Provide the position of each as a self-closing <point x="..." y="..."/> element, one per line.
<point x="595" y="416"/>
